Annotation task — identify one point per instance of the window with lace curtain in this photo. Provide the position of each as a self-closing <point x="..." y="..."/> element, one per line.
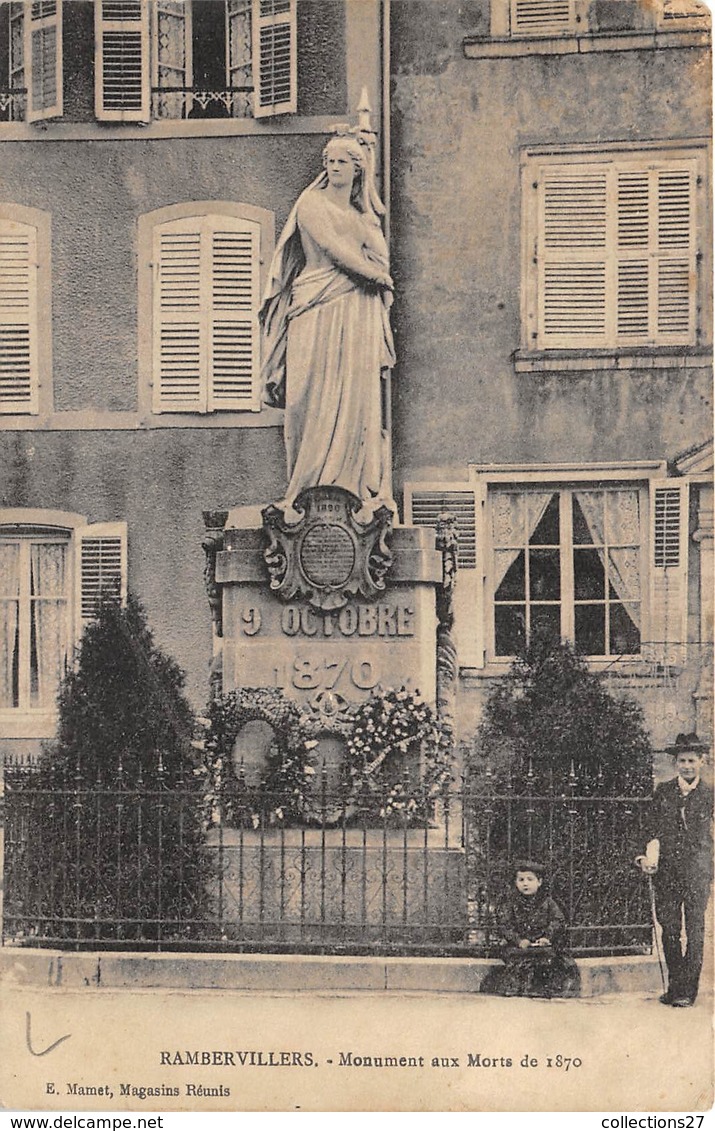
<point x="567" y="562"/>
<point x="36" y="609"/>
<point x="54" y="569"/>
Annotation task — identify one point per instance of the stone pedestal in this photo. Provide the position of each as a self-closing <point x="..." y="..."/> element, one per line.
<point x="339" y="886"/>
<point x="389" y="640"/>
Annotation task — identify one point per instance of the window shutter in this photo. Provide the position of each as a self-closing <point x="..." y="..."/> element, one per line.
<point x="206" y="298"/>
<point x="102" y="572"/>
<point x="656" y="263"/>
<point x="675" y="305"/>
<point x="424" y="505"/>
<point x="179" y="344"/>
<point x="42" y="51"/>
<point x="172" y="56"/>
<point x="275" y="64"/>
<point x="542" y="17"/>
<point x="669" y="571"/>
<point x="122" y="60"/>
<point x="18" y="318"/>
<point x="233" y="337"/>
<point x="572" y="257"/>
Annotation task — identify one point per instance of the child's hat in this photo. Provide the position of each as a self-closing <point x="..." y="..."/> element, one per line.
<point x="687" y="742"/>
<point x="529" y="866"/>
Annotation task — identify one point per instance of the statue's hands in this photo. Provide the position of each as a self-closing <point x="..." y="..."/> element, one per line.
<point x="382" y="279"/>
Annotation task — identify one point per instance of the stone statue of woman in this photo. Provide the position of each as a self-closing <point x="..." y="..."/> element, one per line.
<point x="326" y="330"/>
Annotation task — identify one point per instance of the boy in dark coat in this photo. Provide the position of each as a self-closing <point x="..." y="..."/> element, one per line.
<point x="679" y="855"/>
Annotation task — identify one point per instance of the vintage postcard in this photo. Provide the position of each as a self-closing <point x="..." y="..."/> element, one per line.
<point x="356" y="556"/>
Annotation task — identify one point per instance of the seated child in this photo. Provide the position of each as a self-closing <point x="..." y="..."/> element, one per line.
<point x="533" y="932"/>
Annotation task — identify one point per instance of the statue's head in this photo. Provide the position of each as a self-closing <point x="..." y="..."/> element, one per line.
<point x="357" y="153"/>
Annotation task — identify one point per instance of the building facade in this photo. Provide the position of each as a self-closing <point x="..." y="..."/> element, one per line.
<point x="547" y="167"/>
<point x="551" y="220"/>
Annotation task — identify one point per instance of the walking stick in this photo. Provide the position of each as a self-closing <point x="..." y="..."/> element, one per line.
<point x="654" y="920"/>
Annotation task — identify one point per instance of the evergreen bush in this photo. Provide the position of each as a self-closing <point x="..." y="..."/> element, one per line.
<point x="116" y="807"/>
<point x="552" y="714"/>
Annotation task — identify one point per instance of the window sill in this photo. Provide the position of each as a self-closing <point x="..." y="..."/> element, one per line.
<point x="107" y="421"/>
<point x="486" y="47"/>
<point x="632" y="669"/>
<point x="571" y="361"/>
<point x="59" y="130"/>
<point x="28" y="724"/>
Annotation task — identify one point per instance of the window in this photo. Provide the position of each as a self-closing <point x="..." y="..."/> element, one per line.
<point x="25" y="362"/>
<point x="31" y="60"/>
<point x="207" y="59"/>
<point x="205" y="282"/>
<point x="568" y="563"/>
<point x="610" y="250"/>
<point x="594" y="555"/>
<point x="166" y="59"/>
<point x="53" y="571"/>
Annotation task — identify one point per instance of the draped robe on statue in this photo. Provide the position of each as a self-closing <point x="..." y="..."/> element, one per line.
<point x="327" y="339"/>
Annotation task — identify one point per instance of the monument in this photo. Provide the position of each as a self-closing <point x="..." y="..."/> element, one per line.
<point x="324" y="595"/>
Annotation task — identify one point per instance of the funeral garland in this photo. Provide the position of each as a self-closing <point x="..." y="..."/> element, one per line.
<point x="288" y="775"/>
<point x="400" y="756"/>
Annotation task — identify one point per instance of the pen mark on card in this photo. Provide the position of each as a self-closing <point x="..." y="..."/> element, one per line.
<point x="28" y="1037"/>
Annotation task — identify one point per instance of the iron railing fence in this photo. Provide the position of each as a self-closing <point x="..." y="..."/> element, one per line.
<point x="131" y="867"/>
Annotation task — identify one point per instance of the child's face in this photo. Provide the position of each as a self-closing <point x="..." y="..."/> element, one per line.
<point x="528" y="883"/>
<point x="689" y="765"/>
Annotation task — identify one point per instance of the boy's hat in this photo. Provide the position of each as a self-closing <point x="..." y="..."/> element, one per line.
<point x="687" y="742"/>
<point x="529" y="866"/>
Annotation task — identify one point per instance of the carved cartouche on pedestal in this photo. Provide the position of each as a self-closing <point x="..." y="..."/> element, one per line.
<point x="329" y="554"/>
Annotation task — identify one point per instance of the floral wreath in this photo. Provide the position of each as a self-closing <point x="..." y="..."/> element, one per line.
<point x="285" y="786"/>
<point x="386" y="727"/>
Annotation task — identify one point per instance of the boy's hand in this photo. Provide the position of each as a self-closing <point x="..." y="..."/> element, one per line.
<point x="524" y="944"/>
<point x="543" y="941"/>
<point x="647" y="868"/>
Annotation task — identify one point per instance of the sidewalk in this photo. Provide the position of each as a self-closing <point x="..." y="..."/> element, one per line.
<point x="21" y="966"/>
<point x="326" y="1050"/>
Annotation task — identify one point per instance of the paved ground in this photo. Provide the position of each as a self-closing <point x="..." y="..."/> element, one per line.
<point x="288" y="1051"/>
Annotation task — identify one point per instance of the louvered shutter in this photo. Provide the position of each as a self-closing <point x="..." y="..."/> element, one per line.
<point x="275" y="62"/>
<point x="206" y="297"/>
<point x="172" y="60"/>
<point x="542" y="17"/>
<point x="43" y="59"/>
<point x="424" y="505"/>
<point x="571" y="255"/>
<point x="233" y="336"/>
<point x="669" y="571"/>
<point x="122" y="60"/>
<point x="180" y="347"/>
<point x="18" y="318"/>
<point x="656" y="292"/>
<point x="101" y="567"/>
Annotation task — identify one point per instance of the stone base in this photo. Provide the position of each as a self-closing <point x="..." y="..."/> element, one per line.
<point x="329" y="888"/>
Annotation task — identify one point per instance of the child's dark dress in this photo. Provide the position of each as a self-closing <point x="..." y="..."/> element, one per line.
<point x="544" y="971"/>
